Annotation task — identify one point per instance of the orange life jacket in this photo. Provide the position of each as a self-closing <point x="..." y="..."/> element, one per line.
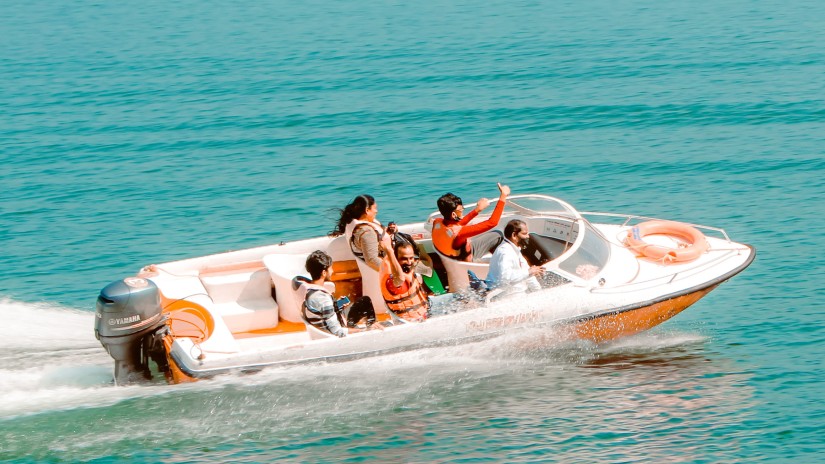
<point x="409" y="305"/>
<point x="443" y="236"/>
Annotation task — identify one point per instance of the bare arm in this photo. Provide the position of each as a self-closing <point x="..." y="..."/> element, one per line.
<point x="476" y="229"/>
<point x="395" y="266"/>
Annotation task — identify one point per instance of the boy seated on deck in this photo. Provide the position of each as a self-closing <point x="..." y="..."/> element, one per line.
<point x="320" y="308"/>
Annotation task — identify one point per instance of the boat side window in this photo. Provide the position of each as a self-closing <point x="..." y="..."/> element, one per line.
<point x="590" y="258"/>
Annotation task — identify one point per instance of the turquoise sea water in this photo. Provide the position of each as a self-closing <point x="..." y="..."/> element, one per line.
<point x="141" y="133"/>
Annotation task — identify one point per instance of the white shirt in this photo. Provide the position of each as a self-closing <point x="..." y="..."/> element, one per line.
<point x="508" y="268"/>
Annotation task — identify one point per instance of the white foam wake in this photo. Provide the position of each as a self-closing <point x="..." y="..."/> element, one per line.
<point x="50" y="361"/>
<point x="44" y="326"/>
<point x="49" y="357"/>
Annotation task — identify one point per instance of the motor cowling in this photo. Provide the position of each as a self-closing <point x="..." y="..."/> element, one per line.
<point x="130" y="325"/>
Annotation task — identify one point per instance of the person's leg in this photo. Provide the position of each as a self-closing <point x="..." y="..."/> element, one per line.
<point x="485" y="243"/>
<point x="362" y="308"/>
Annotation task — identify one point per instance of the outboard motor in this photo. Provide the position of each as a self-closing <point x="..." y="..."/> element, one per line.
<point x="130" y="325"/>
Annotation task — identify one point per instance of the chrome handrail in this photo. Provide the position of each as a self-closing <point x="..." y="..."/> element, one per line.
<point x="631" y="217"/>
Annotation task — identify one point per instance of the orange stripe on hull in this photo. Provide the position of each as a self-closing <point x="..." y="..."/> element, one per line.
<point x="185" y="319"/>
<point x="616" y="325"/>
<point x="281" y="328"/>
<point x="599" y="329"/>
<point x="175" y="375"/>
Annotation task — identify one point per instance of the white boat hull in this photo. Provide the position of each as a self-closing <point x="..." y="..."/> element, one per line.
<point x="223" y="315"/>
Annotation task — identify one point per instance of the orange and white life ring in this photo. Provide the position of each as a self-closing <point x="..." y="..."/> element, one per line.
<point x="696" y="242"/>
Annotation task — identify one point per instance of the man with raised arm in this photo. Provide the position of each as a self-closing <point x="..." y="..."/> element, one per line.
<point x="403" y="289"/>
<point x="452" y="235"/>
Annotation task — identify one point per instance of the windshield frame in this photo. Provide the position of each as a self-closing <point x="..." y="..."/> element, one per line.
<point x="526" y="206"/>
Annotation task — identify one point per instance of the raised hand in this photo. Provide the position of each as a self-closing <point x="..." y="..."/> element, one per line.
<point x="386" y="245"/>
<point x="482" y="204"/>
<point x="505" y="190"/>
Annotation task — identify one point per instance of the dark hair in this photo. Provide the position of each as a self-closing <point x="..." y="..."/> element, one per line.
<point x="317" y="263"/>
<point x="515" y="226"/>
<point x="447" y="204"/>
<point x="403" y="244"/>
<point x="357" y="208"/>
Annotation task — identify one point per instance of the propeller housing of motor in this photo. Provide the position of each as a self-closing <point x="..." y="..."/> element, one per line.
<point x="130" y="325"/>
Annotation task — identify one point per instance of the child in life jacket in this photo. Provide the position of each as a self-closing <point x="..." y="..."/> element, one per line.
<point x="320" y="308"/>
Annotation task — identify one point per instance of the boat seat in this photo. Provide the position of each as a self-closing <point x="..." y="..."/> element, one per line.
<point x="315" y="333"/>
<point x="371" y="287"/>
<point x="282" y="269"/>
<point x="338" y="249"/>
<point x="242" y="297"/>
<point x="180" y="287"/>
<point x="541" y="250"/>
<point x="457" y="277"/>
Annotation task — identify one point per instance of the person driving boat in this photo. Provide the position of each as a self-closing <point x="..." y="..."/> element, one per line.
<point x="509" y="269"/>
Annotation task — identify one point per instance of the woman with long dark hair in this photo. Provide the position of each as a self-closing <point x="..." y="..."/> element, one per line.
<point x="358" y="222"/>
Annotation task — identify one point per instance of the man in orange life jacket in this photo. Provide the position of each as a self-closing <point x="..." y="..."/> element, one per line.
<point x="452" y="236"/>
<point x="402" y="287"/>
<point x="424" y="264"/>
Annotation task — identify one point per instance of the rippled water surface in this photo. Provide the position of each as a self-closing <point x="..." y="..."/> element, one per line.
<point x="135" y="134"/>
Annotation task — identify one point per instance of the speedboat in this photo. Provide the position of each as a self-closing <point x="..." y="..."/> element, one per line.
<point x="607" y="276"/>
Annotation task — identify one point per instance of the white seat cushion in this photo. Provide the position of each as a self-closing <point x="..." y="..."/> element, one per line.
<point x="282" y="269"/>
<point x="243" y="299"/>
<point x="457" y="276"/>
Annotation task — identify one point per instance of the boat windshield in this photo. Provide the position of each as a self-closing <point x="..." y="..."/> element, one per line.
<point x="591" y="257"/>
<point x="535" y="205"/>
